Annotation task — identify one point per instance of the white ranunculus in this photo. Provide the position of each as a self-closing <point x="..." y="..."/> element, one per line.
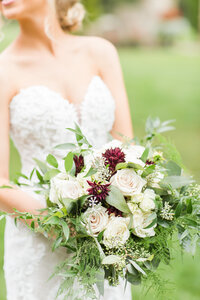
<point x="64" y="186"/>
<point x="117" y="232"/>
<point x="147" y="204"/>
<point x="96" y="219"/>
<point x="133" y="154"/>
<point x="140" y="222"/>
<point x="128" y="182"/>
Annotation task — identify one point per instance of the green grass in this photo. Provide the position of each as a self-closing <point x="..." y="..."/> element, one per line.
<point x="161" y="83"/>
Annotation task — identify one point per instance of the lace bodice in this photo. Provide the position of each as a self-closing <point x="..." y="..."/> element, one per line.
<point x="38" y="118"/>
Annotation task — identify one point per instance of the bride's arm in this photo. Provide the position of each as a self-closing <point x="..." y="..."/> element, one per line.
<point x="111" y="72"/>
<point x="10" y="198"/>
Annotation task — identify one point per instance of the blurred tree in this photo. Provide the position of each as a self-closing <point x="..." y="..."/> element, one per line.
<point x="191" y="11"/>
<point x="110" y="4"/>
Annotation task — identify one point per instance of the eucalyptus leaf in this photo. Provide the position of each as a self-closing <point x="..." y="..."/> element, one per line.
<point x="133" y="279"/>
<point x="100" y="278"/>
<point x="137" y="267"/>
<point x="173" y="169"/>
<point x="176" y="181"/>
<point x="111" y="259"/>
<point x="116" y="199"/>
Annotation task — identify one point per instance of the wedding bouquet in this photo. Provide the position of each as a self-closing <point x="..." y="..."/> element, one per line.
<point x="115" y="209"/>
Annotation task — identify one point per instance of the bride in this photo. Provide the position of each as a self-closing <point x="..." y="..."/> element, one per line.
<point x="50" y="79"/>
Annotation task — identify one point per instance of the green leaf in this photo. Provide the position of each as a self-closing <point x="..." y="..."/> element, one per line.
<point x="66" y="146"/>
<point x="100" y="276"/>
<point x="33" y="225"/>
<point x="133" y="279"/>
<point x="116" y="199"/>
<point x="32" y="172"/>
<point x="179" y="209"/>
<point x="173" y="169"/>
<point x="111" y="259"/>
<point x="6" y="187"/>
<point x="52" y="161"/>
<point x="65" y="229"/>
<point x="189" y="206"/>
<point x="91" y="172"/>
<point x="57" y="243"/>
<point x="42" y="166"/>
<point x="69" y="162"/>
<point x="131" y="165"/>
<point x="53" y="221"/>
<point x="176" y="181"/>
<point x="152" y="224"/>
<point x="39" y="176"/>
<point x="137" y="267"/>
<point x="145" y="155"/>
<point x="50" y="174"/>
<point x="148" y="170"/>
<point x="21" y="175"/>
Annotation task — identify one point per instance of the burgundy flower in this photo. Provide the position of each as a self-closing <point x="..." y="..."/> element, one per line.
<point x="150" y="162"/>
<point x="98" y="191"/>
<point x="79" y="163"/>
<point x="113" y="157"/>
<point x="115" y="211"/>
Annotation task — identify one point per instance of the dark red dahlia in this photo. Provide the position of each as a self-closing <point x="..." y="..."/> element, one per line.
<point x="150" y="162"/>
<point x="115" y="211"/>
<point x="98" y="191"/>
<point x="113" y="157"/>
<point x="79" y="163"/>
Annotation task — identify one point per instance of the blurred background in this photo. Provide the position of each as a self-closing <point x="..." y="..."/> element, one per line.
<point x="159" y="48"/>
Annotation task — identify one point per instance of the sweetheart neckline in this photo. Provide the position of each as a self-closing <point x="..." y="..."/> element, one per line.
<point x="21" y="90"/>
<point x="77" y="106"/>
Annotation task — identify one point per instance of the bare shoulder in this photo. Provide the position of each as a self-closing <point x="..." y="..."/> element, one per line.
<point x="99" y="46"/>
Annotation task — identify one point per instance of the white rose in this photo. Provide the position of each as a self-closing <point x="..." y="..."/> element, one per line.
<point x="96" y="219"/>
<point x="147" y="204"/>
<point x="64" y="186"/>
<point x="139" y="224"/>
<point x="128" y="182"/>
<point x="133" y="154"/>
<point x="117" y="232"/>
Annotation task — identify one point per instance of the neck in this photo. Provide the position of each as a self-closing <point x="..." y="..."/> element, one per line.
<point x="40" y="32"/>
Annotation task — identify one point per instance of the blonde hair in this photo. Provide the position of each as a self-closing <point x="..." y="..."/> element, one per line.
<point x="70" y="14"/>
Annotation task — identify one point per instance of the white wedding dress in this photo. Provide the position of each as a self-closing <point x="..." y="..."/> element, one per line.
<point x="38" y="118"/>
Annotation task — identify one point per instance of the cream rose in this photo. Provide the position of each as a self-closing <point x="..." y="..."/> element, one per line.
<point x="140" y="222"/>
<point x="64" y="186"/>
<point x="128" y="182"/>
<point x="96" y="219"/>
<point x="147" y="204"/>
<point x="117" y="232"/>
